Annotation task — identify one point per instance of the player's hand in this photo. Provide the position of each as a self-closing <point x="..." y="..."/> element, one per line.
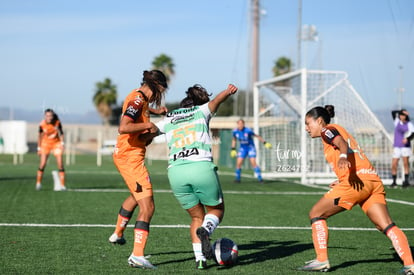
<point x="39" y="151"/>
<point x="267" y="145"/>
<point x="233" y="153"/>
<point x="232" y="89"/>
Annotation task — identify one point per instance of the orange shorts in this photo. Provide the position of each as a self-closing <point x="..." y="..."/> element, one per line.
<point x="135" y="174"/>
<point x="345" y="196"/>
<point x="56" y="147"/>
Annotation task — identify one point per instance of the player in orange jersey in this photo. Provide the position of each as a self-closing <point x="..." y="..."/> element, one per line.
<point x="50" y="139"/>
<point x="129" y="155"/>
<point x="358" y="183"/>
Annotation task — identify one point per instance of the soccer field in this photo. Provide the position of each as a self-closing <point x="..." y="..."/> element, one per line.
<point x="48" y="232"/>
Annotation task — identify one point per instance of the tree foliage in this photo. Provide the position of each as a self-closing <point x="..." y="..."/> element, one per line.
<point x="105" y="98"/>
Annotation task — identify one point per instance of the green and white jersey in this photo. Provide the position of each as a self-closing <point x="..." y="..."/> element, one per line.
<point x="187" y="134"/>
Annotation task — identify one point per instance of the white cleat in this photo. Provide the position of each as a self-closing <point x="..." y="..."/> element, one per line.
<point x="38" y="186"/>
<point x="114" y="239"/>
<point x="140" y="262"/>
<point x="315" y="265"/>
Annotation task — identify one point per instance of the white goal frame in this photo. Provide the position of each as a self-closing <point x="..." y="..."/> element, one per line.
<point x="284" y="100"/>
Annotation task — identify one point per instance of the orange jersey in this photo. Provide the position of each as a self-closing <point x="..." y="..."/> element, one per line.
<point x="136" y="108"/>
<point x="50" y="132"/>
<point x="360" y="165"/>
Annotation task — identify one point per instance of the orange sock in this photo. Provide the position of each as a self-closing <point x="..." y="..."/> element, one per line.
<point x="320" y="238"/>
<point x="39" y="176"/>
<point x="400" y="244"/>
<point x="123" y="218"/>
<point x="121" y="225"/>
<point x="62" y="177"/>
<point x="141" y="233"/>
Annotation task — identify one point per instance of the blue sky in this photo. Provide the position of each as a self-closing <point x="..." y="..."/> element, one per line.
<point x="53" y="52"/>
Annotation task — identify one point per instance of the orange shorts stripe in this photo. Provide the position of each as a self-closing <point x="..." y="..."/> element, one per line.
<point x="135" y="174"/>
<point x="372" y="192"/>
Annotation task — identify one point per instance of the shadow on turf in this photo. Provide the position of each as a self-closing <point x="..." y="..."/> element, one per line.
<point x="268" y="250"/>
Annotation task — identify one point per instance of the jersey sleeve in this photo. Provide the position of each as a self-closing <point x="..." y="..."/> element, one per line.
<point x="410" y="127"/>
<point x="134" y="108"/>
<point x="161" y="125"/>
<point x="329" y="133"/>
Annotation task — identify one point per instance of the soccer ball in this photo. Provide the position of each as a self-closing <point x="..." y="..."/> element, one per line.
<point x="225" y="252"/>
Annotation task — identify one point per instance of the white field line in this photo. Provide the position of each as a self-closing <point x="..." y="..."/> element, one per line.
<point x="187" y="226"/>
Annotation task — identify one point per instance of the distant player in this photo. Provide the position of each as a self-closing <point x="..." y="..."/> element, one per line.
<point x="50" y="139"/>
<point x="129" y="158"/>
<point x="191" y="172"/>
<point x="247" y="148"/>
<point x="403" y="134"/>
<point x="358" y="183"/>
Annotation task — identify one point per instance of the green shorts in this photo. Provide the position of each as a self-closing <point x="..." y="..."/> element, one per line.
<point x="194" y="183"/>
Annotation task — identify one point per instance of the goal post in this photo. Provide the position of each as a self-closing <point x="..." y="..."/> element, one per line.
<point x="280" y="106"/>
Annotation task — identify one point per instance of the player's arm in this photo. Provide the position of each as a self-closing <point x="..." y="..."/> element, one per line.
<point x="214" y="104"/>
<point x="39" y="139"/>
<point x="395" y="114"/>
<point x="331" y="136"/>
<point x="128" y="124"/>
<point x="262" y="140"/>
<point x="60" y="134"/>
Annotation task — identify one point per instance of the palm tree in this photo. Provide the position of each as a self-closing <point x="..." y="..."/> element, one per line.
<point x="282" y="65"/>
<point x="165" y="64"/>
<point x="104" y="98"/>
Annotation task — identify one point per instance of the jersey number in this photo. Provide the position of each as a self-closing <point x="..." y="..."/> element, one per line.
<point x="184" y="136"/>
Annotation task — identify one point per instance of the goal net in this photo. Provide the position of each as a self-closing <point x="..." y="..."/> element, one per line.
<point x="280" y="105"/>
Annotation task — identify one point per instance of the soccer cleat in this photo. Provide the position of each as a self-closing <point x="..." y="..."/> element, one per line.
<point x="236" y="181"/>
<point x="405" y="184"/>
<point x="393" y="185"/>
<point x="201" y="264"/>
<point x="114" y="239"/>
<point x="38" y="186"/>
<point x="62" y="188"/>
<point x="140" y="262"/>
<point x="203" y="235"/>
<point x="315" y="265"/>
<point x="408" y="270"/>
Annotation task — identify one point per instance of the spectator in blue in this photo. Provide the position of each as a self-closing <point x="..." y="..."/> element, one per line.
<point x="403" y="134"/>
<point x="247" y="149"/>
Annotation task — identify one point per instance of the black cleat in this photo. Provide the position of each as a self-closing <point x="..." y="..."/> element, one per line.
<point x="203" y="235"/>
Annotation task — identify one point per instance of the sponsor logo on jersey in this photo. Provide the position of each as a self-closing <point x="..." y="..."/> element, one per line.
<point x="182" y="111"/>
<point x="185" y="153"/>
<point x="183" y="118"/>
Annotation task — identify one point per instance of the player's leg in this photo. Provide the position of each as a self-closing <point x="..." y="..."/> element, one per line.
<point x="406" y="164"/>
<point x="59" y="160"/>
<point x="239" y="163"/>
<point x="197" y="214"/>
<point x="394" y="165"/>
<point x="322" y="210"/>
<point x="39" y="176"/>
<point x="256" y="169"/>
<point x="124" y="216"/>
<point x="379" y="216"/>
<point x="141" y="233"/>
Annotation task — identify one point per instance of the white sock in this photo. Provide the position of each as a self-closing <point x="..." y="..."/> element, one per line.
<point x="210" y="223"/>
<point x="197" y="252"/>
